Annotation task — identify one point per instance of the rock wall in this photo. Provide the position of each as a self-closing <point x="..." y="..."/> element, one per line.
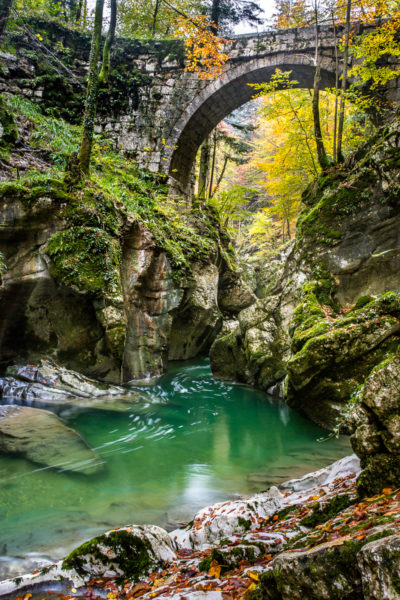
<point x="103" y="301"/>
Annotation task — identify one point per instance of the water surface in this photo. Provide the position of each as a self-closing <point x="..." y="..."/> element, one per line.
<point x="194" y="441"/>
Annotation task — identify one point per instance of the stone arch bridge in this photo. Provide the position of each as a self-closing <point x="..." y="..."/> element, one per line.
<point x="176" y="110"/>
<point x="159" y="114"/>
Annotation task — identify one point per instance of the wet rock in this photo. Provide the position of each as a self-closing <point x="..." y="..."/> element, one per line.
<point x="42" y="438"/>
<point x="48" y="385"/>
<point x="130" y="552"/>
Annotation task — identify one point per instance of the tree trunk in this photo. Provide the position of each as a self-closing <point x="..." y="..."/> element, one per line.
<point x="215" y="14"/>
<point x="321" y="153"/>
<point x="91" y="92"/>
<point x="221" y="175"/>
<point x="344" y="82"/>
<point x="105" y="68"/>
<point x="213" y="164"/>
<point x="5" y="7"/>
<point x="204" y="168"/>
<point x="153" y="27"/>
<point x="335" y="122"/>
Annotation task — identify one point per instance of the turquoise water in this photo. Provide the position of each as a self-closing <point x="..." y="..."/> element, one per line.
<point x="192" y="441"/>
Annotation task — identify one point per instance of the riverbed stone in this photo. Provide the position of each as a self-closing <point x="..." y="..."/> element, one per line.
<point x="41" y="437"/>
<point x="130" y="552"/>
<point x="48" y="385"/>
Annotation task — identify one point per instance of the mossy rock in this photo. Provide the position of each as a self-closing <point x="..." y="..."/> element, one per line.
<point x="87" y="258"/>
<point x="381" y="471"/>
<point x="8" y="127"/>
<point x="127" y="553"/>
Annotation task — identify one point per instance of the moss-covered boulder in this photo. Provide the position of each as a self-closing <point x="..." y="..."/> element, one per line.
<point x="128" y="553"/>
<point x="340" y="570"/>
<point x="333" y="353"/>
<point x="377" y="441"/>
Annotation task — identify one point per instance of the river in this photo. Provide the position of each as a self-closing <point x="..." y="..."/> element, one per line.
<point x="191" y="442"/>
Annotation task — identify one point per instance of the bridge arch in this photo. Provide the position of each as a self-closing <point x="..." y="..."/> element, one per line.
<point x="227" y="93"/>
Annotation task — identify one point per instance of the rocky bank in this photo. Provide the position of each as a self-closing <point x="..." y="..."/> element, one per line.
<point x="309" y="539"/>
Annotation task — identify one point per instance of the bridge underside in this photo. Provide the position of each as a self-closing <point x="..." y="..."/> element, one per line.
<point x="220" y="99"/>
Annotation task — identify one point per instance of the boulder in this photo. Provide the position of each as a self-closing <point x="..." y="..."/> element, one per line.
<point x="255" y="351"/>
<point x="130" y="552"/>
<point x="377" y="442"/>
<point x="233" y="293"/>
<point x="379" y="564"/>
<point x="48" y="385"/>
<point x="42" y="438"/>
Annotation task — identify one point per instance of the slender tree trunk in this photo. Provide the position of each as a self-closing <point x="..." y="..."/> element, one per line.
<point x="344" y="82"/>
<point x="91" y="92"/>
<point x="204" y="169"/>
<point x="288" y="228"/>
<point x="156" y="8"/>
<point x="215" y="14"/>
<point x="335" y="122"/>
<point x="105" y="68"/>
<point x="221" y="175"/>
<point x="321" y="153"/>
<point x="79" y="11"/>
<point x="213" y="165"/>
<point x="5" y="7"/>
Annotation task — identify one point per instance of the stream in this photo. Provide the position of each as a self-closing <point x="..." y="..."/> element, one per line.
<point x="191" y="441"/>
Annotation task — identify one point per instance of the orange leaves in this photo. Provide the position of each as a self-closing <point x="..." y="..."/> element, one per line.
<point x="215" y="569"/>
<point x="204" y="49"/>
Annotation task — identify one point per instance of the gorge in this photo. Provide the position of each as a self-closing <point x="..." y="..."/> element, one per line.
<point x="107" y="285"/>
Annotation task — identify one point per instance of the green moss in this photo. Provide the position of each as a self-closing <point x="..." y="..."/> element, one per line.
<point x="86" y="257"/>
<point x="132" y="554"/>
<point x="205" y="563"/>
<point x="323" y="512"/>
<point x="381" y="471"/>
<point x="9" y="129"/>
<point x="245" y="523"/>
<point x="362" y="301"/>
<point x="33" y="187"/>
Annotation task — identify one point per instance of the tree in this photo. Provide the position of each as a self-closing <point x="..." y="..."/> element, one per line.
<point x="5" y="7"/>
<point x="344" y="82"/>
<point x="91" y="91"/>
<point x="321" y="153"/>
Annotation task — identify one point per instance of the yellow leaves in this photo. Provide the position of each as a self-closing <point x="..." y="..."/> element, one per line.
<point x="254" y="575"/>
<point x="111" y="596"/>
<point x="214" y="570"/>
<point x="204" y="49"/>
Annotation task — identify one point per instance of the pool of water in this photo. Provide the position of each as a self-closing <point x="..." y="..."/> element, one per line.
<point x="192" y="441"/>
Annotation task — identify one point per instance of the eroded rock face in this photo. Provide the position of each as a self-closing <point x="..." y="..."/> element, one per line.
<point x="39" y="315"/>
<point x="197" y="319"/>
<point x="379" y="565"/>
<point x="149" y="297"/>
<point x="41" y="437"/>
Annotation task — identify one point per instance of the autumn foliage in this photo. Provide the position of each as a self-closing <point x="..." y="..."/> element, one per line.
<point x="204" y="49"/>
